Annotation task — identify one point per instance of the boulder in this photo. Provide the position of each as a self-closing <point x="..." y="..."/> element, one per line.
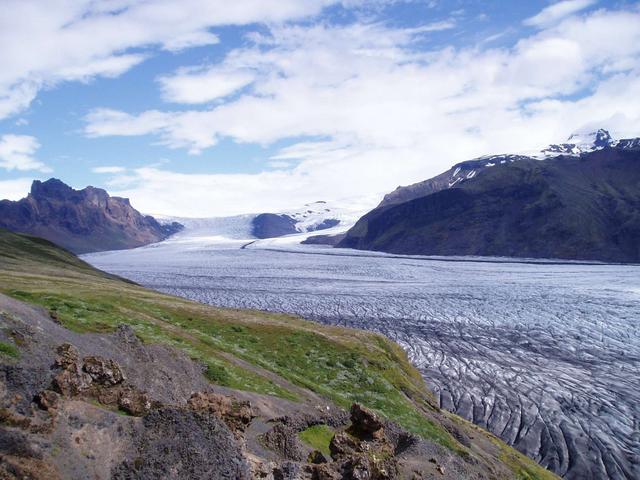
<point x="103" y="371"/>
<point x="283" y="439"/>
<point x="342" y="445"/>
<point x="324" y="472"/>
<point x="135" y="402"/>
<point x="316" y="457"/>
<point x="71" y="382"/>
<point x="366" y="423"/>
<point x="68" y="356"/>
<point x="236" y="415"/>
<point x="47" y="399"/>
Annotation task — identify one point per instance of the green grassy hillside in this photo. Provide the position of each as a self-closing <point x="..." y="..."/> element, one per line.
<point x="248" y="350"/>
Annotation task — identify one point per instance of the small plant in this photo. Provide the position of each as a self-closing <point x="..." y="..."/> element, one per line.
<point x="218" y="374"/>
<point x="9" y="350"/>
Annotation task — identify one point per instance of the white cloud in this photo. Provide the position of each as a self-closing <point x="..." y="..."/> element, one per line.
<point x="279" y="164"/>
<point x="45" y="42"/>
<point x="109" y="169"/>
<point x="370" y="111"/>
<point x="154" y="190"/>
<point x="17" y="153"/>
<point x="15" y="189"/>
<point x="558" y="11"/>
<point x="201" y="86"/>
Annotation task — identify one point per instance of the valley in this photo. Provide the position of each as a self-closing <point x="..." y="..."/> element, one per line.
<point x="545" y="355"/>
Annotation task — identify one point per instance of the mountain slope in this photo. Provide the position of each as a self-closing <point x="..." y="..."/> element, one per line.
<point x="294" y="374"/>
<point x="580" y="206"/>
<point x="82" y="221"/>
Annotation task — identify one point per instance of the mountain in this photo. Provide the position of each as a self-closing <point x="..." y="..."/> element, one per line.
<point x="312" y="217"/>
<point x="102" y="378"/>
<point x="579" y="201"/>
<point x="82" y="221"/>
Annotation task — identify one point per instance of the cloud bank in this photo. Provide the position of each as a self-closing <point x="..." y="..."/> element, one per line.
<point x="356" y="106"/>
<point x="374" y="111"/>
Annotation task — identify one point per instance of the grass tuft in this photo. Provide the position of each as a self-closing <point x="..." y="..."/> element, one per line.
<point x="318" y="437"/>
<point x="9" y="350"/>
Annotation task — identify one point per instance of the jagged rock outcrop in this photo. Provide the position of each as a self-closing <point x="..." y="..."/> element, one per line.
<point x="81" y="221"/>
<point x="95" y="377"/>
<point x="237" y="415"/>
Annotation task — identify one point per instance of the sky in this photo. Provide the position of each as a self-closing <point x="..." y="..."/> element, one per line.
<point x="209" y="107"/>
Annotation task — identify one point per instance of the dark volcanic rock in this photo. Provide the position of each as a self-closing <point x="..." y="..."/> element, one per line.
<point x="326" y="223"/>
<point x="270" y="225"/>
<point x="179" y="444"/>
<point x="82" y="221"/>
<point x="324" y="239"/>
<point x="365" y="423"/>
<point x="568" y="207"/>
<point x="283" y="439"/>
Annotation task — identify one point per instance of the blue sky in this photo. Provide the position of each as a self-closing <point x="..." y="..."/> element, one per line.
<point x="200" y="108"/>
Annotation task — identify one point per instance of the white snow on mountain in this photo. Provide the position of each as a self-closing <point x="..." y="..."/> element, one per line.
<point x="576" y="145"/>
<point x="312" y="215"/>
<point x="237" y="230"/>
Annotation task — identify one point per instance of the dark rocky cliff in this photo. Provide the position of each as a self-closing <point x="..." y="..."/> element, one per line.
<point x="82" y="221"/>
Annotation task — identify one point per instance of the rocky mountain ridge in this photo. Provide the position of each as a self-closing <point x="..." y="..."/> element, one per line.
<point x="82" y="221"/>
<point x="576" y="145"/>
<point x="574" y="201"/>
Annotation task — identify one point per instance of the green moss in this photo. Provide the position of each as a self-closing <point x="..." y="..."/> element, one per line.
<point x="116" y="410"/>
<point x="318" y="437"/>
<point x="9" y="350"/>
<point x="523" y="466"/>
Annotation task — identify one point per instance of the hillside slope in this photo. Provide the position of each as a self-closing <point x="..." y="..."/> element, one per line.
<point x="272" y="388"/>
<point x="82" y="221"/>
<point x="583" y="206"/>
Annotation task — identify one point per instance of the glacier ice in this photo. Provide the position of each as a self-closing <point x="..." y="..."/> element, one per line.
<point x="544" y="355"/>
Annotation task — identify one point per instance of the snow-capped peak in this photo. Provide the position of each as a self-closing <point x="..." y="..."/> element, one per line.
<point x="578" y="143"/>
<point x="598" y="139"/>
<point x="320" y="214"/>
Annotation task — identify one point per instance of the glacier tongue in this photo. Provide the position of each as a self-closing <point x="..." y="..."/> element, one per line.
<point x="311" y="218"/>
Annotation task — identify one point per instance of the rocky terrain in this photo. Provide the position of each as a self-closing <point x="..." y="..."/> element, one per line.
<point x="82" y="221"/>
<point x="544" y="355"/>
<point x="100" y="378"/>
<point x="570" y="201"/>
